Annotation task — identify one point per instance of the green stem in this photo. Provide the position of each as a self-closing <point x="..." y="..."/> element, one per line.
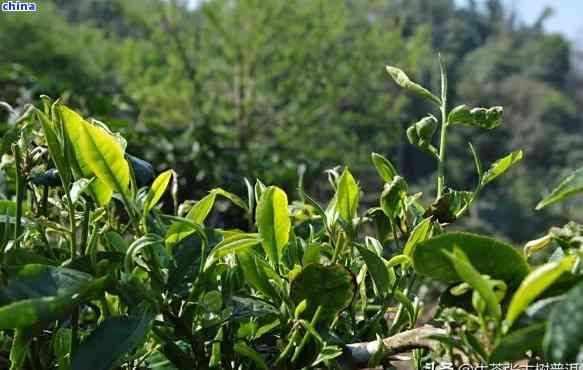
<point x="443" y="134"/>
<point x="307" y="334"/>
<point x="288" y="347"/>
<point x="19" y="195"/>
<point x="73" y="230"/>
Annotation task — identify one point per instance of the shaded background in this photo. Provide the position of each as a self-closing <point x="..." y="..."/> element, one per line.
<point x="222" y="90"/>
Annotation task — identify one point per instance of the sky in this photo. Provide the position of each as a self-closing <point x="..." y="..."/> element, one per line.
<point x="567" y="17"/>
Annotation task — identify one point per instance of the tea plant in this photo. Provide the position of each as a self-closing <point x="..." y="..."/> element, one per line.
<point x="96" y="274"/>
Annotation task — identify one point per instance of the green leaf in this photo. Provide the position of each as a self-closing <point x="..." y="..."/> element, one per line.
<point x="200" y="211"/>
<point x="419" y="234"/>
<point x="384" y="168"/>
<point x="403" y="80"/>
<point x="40" y="294"/>
<point x="61" y="343"/>
<point x="180" y="229"/>
<point x="115" y="337"/>
<point x="273" y="222"/>
<point x="36" y="280"/>
<point x="78" y="188"/>
<point x="500" y="166"/>
<point x="534" y="284"/>
<point x="19" y="349"/>
<point x="378" y="270"/>
<point x="393" y="197"/>
<point x="157" y="190"/>
<point x="347" y="196"/>
<point x="488" y="256"/>
<point x="105" y="157"/>
<point x="470" y="275"/>
<point x="73" y="124"/>
<point x="333" y="291"/>
<point x="326" y="354"/>
<point x="238" y="243"/>
<point x="571" y="185"/>
<point x="56" y="147"/>
<point x="246" y="351"/>
<point x="255" y="275"/>
<point x="563" y="338"/>
<point x="513" y="347"/>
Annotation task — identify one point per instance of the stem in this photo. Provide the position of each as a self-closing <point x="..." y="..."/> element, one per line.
<point x="443" y="134"/>
<point x="19" y="194"/>
<point x="288" y="347"/>
<point x="85" y="228"/>
<point x="306" y="337"/>
<point x="71" y="206"/>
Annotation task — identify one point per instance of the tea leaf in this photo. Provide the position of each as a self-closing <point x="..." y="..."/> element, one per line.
<point x="488" y="256"/>
<point x="238" y="243"/>
<point x="105" y="157"/>
<point x="470" y="275"/>
<point x="334" y="289"/>
<point x="244" y="350"/>
<point x="378" y="270"/>
<point x="562" y="342"/>
<point x="273" y="222"/>
<point x="113" y="338"/>
<point x="403" y="80"/>
<point x="73" y="125"/>
<point x="347" y="196"/>
<point x="514" y="346"/>
<point x="500" y="166"/>
<point x="571" y="185"/>
<point x="157" y="190"/>
<point x="534" y="284"/>
<point x="384" y="167"/>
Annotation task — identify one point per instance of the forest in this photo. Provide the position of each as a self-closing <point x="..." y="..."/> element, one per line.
<point x="175" y="176"/>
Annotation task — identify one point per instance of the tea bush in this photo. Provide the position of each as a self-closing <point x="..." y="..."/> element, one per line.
<point x="96" y="276"/>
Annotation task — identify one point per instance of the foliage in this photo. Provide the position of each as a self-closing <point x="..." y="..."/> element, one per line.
<point x="95" y="269"/>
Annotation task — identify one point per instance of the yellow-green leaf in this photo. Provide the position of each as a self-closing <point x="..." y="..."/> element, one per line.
<point x="73" y="124"/>
<point x="273" y="222"/>
<point x="470" y="275"/>
<point x="534" y="284"/>
<point x="157" y="190"/>
<point x="403" y="80"/>
<point x="105" y="157"/>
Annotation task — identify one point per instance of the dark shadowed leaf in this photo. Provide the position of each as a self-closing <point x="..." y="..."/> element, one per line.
<point x="115" y="337"/>
<point x="562" y="342"/>
<point x="333" y="291"/>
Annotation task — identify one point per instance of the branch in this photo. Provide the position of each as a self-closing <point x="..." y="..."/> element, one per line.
<point x="402" y="342"/>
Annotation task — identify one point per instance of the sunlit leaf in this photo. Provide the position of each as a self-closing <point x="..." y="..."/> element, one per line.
<point x="273" y="222"/>
<point x="470" y="275"/>
<point x="534" y="284"/>
<point x="403" y="80"/>
<point x="571" y="185"/>
<point x="74" y="124"/>
<point x="500" y="166"/>
<point x="157" y="190"/>
<point x="384" y="167"/>
<point x="488" y="256"/>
